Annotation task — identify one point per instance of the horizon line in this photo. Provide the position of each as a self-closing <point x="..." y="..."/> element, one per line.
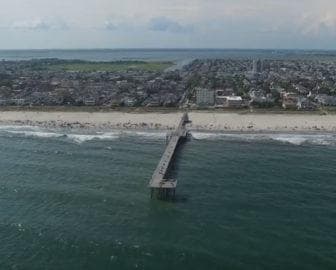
<point x="161" y="48"/>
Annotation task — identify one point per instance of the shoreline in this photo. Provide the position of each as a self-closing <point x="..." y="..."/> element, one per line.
<point x="201" y="121"/>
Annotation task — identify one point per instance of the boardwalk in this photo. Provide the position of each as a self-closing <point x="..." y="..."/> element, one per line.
<point x="160" y="186"/>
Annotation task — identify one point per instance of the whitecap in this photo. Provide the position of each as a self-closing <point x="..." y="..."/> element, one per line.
<point x="291" y="139"/>
<point x="146" y="134"/>
<point x="80" y="138"/>
<point x="295" y="139"/>
<point x="18" y="127"/>
<point x="206" y="136"/>
<point x="38" y="134"/>
<point x="299" y="139"/>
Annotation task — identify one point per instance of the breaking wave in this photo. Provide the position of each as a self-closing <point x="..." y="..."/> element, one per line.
<point x="295" y="139"/>
<point x="150" y="135"/>
<point x="79" y="137"/>
<point x="37" y="132"/>
<point x="13" y="128"/>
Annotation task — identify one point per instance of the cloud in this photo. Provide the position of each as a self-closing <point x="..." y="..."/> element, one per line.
<point x="164" y="24"/>
<point x="318" y="24"/>
<point x="121" y="23"/>
<point x="173" y="23"/>
<point x="109" y="25"/>
<point x="39" y="24"/>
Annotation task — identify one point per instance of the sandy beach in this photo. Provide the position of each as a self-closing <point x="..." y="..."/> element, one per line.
<point x="202" y="121"/>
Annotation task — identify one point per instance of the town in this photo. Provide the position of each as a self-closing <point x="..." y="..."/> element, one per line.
<point x="285" y="84"/>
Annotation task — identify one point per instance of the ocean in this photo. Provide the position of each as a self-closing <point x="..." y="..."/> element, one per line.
<point x="71" y="199"/>
<point x="180" y="56"/>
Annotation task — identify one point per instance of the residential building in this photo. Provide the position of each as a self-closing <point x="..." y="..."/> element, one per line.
<point x="257" y="66"/>
<point x="205" y="97"/>
<point x="290" y="100"/>
<point x="229" y="102"/>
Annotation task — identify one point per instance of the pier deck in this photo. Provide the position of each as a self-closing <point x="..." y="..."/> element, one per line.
<point x="159" y="183"/>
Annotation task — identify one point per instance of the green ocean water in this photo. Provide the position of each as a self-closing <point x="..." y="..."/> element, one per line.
<point x="80" y="201"/>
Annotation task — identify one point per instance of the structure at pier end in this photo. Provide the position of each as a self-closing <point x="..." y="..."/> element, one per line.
<point x="160" y="186"/>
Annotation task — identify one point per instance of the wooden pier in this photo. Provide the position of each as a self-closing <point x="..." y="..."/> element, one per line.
<point x="161" y="187"/>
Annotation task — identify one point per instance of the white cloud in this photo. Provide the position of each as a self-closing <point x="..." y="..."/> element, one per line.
<point x="151" y="23"/>
<point x="318" y="24"/>
<point x="121" y="23"/>
<point x="39" y="24"/>
<point x="109" y="25"/>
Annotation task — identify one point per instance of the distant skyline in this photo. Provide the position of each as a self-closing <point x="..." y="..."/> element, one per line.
<point x="241" y="24"/>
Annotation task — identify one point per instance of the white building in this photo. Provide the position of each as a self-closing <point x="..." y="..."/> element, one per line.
<point x="229" y="102"/>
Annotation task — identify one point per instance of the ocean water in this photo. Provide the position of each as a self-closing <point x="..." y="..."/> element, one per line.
<point x="180" y="56"/>
<point x="76" y="200"/>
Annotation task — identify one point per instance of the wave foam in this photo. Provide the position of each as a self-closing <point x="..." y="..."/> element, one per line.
<point x="39" y="134"/>
<point x="298" y="139"/>
<point x="151" y="135"/>
<point x="80" y="138"/>
<point x="17" y="127"/>
<point x="295" y="139"/>
<point x="206" y="136"/>
<point x="31" y="131"/>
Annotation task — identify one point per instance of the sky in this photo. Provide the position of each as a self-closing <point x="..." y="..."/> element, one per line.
<point x="63" y="24"/>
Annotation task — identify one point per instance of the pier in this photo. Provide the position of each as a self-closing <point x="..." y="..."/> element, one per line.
<point x="161" y="187"/>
